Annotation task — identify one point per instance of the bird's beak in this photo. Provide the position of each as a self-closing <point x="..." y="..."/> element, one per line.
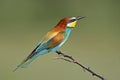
<point x="80" y="17"/>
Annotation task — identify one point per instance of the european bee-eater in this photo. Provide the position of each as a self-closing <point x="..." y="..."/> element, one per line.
<point x="53" y="40"/>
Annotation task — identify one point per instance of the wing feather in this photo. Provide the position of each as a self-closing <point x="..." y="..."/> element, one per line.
<point x="42" y="45"/>
<point x="40" y="49"/>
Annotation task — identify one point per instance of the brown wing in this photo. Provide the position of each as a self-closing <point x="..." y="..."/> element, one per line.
<point x="56" y="40"/>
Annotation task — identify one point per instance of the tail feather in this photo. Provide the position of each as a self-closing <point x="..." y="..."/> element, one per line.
<point x="25" y="63"/>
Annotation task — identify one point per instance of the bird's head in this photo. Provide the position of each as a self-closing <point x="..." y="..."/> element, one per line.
<point x="68" y="22"/>
<point x="71" y="22"/>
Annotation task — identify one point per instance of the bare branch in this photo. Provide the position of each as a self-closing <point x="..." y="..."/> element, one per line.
<point x="72" y="60"/>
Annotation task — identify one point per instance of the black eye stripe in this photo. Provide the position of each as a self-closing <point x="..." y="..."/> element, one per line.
<point x="71" y="20"/>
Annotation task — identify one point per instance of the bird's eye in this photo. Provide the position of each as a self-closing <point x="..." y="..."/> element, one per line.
<point x="72" y="20"/>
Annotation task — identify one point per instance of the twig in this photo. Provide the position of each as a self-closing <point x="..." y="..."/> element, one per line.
<point x="72" y="60"/>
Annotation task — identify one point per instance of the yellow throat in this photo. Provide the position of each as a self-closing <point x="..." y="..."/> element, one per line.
<point x="72" y="24"/>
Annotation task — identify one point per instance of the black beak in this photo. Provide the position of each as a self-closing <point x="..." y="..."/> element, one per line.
<point x="80" y="17"/>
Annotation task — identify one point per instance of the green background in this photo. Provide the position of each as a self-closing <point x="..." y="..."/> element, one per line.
<point x="95" y="42"/>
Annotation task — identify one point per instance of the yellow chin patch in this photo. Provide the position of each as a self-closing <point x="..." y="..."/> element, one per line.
<point x="72" y="24"/>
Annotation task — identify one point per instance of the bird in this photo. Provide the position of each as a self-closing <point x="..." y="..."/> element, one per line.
<point x="52" y="41"/>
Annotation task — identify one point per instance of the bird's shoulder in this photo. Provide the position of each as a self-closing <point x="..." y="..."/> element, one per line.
<point x="51" y="34"/>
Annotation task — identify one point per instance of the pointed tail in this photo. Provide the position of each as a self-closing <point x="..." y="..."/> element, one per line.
<point x="25" y="63"/>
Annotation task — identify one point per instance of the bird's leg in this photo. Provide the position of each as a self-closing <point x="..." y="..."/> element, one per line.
<point x="66" y="57"/>
<point x="59" y="55"/>
<point x="59" y="52"/>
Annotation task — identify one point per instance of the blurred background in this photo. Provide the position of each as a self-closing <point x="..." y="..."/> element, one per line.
<point x="95" y="42"/>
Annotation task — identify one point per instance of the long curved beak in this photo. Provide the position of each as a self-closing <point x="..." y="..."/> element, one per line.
<point x="80" y="17"/>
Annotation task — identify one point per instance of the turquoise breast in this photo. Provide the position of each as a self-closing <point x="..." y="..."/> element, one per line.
<point x="67" y="32"/>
